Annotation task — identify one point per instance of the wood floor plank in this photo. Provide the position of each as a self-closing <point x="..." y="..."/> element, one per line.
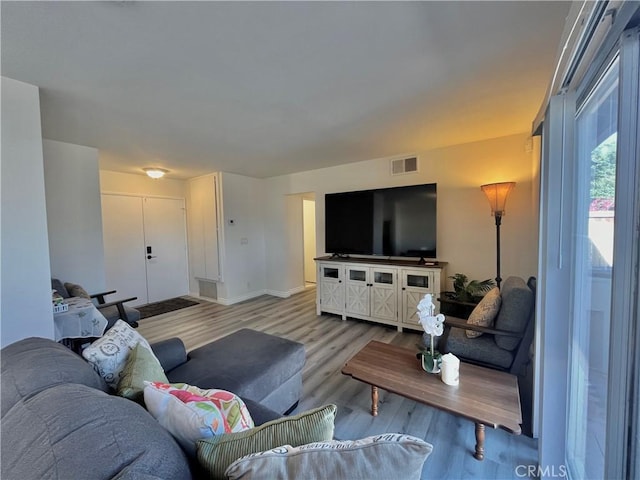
<point x="329" y="342"/>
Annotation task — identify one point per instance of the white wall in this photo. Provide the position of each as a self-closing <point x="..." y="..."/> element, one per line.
<point x="466" y="230"/>
<point x="116" y="182"/>
<point x="244" y="247"/>
<point x="74" y="216"/>
<point x="26" y="278"/>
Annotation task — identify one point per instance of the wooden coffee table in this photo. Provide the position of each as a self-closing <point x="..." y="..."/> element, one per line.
<point x="484" y="396"/>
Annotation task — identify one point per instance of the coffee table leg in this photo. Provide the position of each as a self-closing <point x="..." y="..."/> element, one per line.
<point x="374" y="400"/>
<point x="479" y="442"/>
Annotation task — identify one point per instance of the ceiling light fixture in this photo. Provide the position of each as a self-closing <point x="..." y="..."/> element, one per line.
<point x="155" y="172"/>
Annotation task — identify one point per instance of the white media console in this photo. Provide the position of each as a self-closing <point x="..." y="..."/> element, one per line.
<point x="382" y="291"/>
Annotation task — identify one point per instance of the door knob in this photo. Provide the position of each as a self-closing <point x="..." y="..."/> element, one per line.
<point x="149" y="257"/>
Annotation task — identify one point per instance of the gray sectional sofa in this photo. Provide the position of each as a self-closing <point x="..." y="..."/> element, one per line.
<point x="60" y="419"/>
<point x="252" y="364"/>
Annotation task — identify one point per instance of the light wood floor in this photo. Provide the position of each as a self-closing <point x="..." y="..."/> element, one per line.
<point x="329" y="343"/>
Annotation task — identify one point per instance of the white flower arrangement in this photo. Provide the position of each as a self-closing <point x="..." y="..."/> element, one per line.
<point x="432" y="324"/>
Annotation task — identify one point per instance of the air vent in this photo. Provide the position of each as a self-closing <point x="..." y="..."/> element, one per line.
<point x="404" y="165"/>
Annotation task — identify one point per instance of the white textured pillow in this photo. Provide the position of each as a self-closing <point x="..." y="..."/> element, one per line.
<point x="109" y="353"/>
<point x="485" y="312"/>
<point x="390" y="455"/>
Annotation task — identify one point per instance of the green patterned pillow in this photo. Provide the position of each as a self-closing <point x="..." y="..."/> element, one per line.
<point x="217" y="453"/>
<point x="141" y="366"/>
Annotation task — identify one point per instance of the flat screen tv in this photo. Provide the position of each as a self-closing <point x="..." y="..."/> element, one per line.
<point x="393" y="222"/>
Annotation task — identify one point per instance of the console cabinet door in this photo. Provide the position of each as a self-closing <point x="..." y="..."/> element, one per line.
<point x="384" y="293"/>
<point x="330" y="282"/>
<point x="357" y="289"/>
<point x="415" y="285"/>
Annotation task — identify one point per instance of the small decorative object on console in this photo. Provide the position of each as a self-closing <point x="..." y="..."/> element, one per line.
<point x="433" y="326"/>
<point x="58" y="302"/>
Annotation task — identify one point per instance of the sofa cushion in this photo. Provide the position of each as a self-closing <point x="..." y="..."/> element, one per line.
<point x="217" y="453"/>
<point x="191" y="414"/>
<point x="391" y="455"/>
<point x="170" y="352"/>
<point x="141" y="366"/>
<point x="261" y="364"/>
<point x="259" y="413"/>
<point x="485" y="312"/>
<point x="517" y="305"/>
<point x="34" y="364"/>
<point x="480" y="349"/>
<point x="109" y="353"/>
<point x="73" y="431"/>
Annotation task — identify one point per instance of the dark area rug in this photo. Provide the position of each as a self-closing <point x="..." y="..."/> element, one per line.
<point x="158" y="308"/>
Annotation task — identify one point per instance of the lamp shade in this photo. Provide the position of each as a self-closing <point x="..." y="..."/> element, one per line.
<point x="155" y="172"/>
<point x="497" y="194"/>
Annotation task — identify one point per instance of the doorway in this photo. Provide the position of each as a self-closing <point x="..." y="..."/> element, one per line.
<point x="145" y="247"/>
<point x="309" y="238"/>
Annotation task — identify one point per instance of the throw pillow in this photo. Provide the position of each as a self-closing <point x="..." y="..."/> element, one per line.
<point x="217" y="453"/>
<point x="141" y="366"/>
<point x="391" y="455"/>
<point x="109" y="353"/>
<point x="485" y="312"/>
<point x="191" y="414"/>
<point x="76" y="290"/>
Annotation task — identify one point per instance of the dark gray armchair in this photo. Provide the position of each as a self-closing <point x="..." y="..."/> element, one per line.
<point x="112" y="311"/>
<point x="506" y="345"/>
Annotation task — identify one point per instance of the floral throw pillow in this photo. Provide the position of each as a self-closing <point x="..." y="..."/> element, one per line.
<point x="192" y="414"/>
<point x="485" y="312"/>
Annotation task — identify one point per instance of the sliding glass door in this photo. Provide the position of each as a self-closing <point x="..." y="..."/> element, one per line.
<point x="588" y="301"/>
<point x="594" y="190"/>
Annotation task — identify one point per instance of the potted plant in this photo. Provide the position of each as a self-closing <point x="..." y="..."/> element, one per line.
<point x="466" y="295"/>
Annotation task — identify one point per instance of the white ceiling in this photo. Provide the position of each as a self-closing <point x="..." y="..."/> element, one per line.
<point x="270" y="88"/>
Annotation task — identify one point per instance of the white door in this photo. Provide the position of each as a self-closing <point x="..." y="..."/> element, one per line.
<point x="131" y="226"/>
<point x="123" y="234"/>
<point x="165" y="248"/>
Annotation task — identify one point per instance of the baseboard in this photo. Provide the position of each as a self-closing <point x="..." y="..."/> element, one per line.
<point x="241" y="298"/>
<point x="204" y="299"/>
<point x="286" y="294"/>
<point x="250" y="295"/>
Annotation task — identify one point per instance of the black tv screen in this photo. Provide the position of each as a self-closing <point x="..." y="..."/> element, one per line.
<point x="394" y="222"/>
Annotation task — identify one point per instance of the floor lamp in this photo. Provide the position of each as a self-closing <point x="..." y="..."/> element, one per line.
<point x="497" y="194"/>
